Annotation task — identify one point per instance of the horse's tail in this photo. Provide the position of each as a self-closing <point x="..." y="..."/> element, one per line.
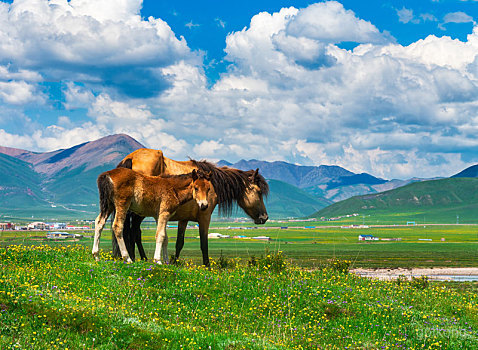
<point x="105" y="189"/>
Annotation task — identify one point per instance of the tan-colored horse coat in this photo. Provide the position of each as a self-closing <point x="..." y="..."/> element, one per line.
<point x="153" y="162"/>
<point x="123" y="189"/>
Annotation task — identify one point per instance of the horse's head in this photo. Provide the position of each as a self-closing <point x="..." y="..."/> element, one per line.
<point x="252" y="202"/>
<point x="201" y="187"/>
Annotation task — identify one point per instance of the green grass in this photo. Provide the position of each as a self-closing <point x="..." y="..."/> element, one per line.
<point x="310" y="247"/>
<point x="59" y="297"/>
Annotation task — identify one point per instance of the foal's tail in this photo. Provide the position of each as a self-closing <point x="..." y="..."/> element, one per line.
<point x="105" y="189"/>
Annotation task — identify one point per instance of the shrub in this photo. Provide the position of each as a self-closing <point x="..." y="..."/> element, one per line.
<point x="177" y="262"/>
<point x="273" y="261"/>
<point x="339" y="265"/>
<point x="420" y="282"/>
<point x="401" y="280"/>
<point x="253" y="261"/>
<point x="223" y="262"/>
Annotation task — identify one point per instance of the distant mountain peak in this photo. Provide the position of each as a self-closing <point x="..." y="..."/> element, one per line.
<point x="106" y="150"/>
<point x="298" y="175"/>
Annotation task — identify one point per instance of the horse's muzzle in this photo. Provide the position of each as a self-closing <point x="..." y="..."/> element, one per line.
<point x="261" y="219"/>
<point x="203" y="206"/>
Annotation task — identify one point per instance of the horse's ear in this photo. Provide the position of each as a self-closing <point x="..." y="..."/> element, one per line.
<point x="209" y="175"/>
<point x="256" y="175"/>
<point x="194" y="174"/>
<point x="253" y="176"/>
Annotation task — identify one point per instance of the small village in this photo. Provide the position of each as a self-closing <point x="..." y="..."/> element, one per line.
<point x="40" y="226"/>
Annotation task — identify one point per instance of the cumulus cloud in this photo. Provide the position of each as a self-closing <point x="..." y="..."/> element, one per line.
<point x="313" y="102"/>
<point x="19" y="93"/>
<point x="290" y="93"/>
<point x="331" y="22"/>
<point x="99" y="42"/>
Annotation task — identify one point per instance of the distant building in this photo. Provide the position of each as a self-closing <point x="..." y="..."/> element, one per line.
<point x="217" y="235"/>
<point x="367" y="238"/>
<point x="7" y="226"/>
<point x="38" y="226"/>
<point x="57" y="225"/>
<point x="262" y="238"/>
<point x="62" y="235"/>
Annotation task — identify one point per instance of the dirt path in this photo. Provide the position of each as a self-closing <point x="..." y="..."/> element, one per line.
<point x="441" y="273"/>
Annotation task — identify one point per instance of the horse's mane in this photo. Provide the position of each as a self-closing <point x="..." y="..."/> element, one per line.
<point x="230" y="184"/>
<point x="179" y="176"/>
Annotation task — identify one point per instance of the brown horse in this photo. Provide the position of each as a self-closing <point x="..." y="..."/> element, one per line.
<point x="231" y="186"/>
<point x="123" y="189"/>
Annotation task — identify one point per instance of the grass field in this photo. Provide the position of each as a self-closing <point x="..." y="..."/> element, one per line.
<point x="310" y="247"/>
<point x="60" y="298"/>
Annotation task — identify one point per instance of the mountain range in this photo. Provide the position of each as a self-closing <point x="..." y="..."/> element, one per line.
<point x="62" y="183"/>
<point x="448" y="201"/>
<point x="330" y="182"/>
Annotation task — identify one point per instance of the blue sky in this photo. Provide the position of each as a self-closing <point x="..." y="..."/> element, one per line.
<point x="205" y="24"/>
<point x="384" y="87"/>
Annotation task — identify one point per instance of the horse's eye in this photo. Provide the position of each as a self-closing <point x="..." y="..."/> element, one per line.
<point x="195" y="189"/>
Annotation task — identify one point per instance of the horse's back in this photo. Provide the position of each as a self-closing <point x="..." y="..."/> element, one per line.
<point x="146" y="161"/>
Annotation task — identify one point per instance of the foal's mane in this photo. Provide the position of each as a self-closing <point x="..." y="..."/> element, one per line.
<point x="230" y="184"/>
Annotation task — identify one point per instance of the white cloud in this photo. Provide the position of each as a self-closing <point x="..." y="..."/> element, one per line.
<point x="290" y="93"/>
<point x="428" y="17"/>
<point x="106" y="43"/>
<point x="220" y="23"/>
<point x="364" y="108"/>
<point x="19" y="93"/>
<point x="458" y="17"/>
<point x="192" y="25"/>
<point x="330" y="22"/>
<point x="77" y="96"/>
<point x="406" y="15"/>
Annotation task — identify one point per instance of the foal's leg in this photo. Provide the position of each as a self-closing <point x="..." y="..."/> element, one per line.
<point x="180" y="239"/>
<point x="136" y="221"/>
<point x="161" y="250"/>
<point x="100" y="223"/>
<point x="118" y="224"/>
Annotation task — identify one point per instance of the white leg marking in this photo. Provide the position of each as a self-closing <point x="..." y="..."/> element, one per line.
<point x="99" y="225"/>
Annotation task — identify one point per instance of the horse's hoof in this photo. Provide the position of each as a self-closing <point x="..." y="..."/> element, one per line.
<point x="159" y="262"/>
<point x="96" y="256"/>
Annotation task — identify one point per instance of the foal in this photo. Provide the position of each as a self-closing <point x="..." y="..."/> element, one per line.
<point x="123" y="189"/>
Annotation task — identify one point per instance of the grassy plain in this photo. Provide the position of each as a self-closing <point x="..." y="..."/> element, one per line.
<point x="58" y="297"/>
<point x="312" y="243"/>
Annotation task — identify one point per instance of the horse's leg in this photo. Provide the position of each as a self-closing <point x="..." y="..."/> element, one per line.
<point x="118" y="225"/>
<point x="114" y="242"/>
<point x="161" y="250"/>
<point x="180" y="239"/>
<point x="129" y="235"/>
<point x="100" y="223"/>
<point x="136" y="221"/>
<point x="203" y="232"/>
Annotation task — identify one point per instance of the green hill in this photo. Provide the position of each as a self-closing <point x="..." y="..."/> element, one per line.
<point x="289" y="201"/>
<point x="439" y="201"/>
<point x="19" y="184"/>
